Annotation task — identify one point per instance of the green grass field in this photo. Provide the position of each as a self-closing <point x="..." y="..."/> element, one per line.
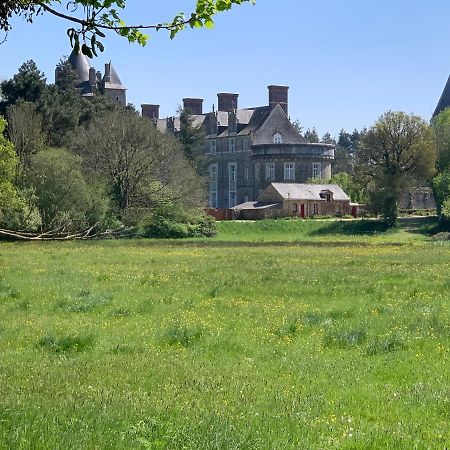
<point x="272" y="335"/>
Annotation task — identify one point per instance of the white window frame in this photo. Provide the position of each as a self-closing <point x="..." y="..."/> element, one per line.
<point x="245" y="198"/>
<point x="213" y="146"/>
<point x="317" y="170"/>
<point x="315" y="208"/>
<point x="270" y="171"/>
<point x="232" y="183"/>
<point x="213" y="185"/>
<point x="289" y="171"/>
<point x="246" y="173"/>
<point x="232" y="145"/>
<point x="277" y="138"/>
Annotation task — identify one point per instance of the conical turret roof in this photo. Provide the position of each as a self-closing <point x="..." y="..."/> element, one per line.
<point x="112" y="80"/>
<point x="444" y="101"/>
<point x="81" y="65"/>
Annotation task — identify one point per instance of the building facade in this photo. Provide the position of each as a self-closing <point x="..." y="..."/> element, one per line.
<point x="297" y="200"/>
<point x="247" y="149"/>
<point x="90" y="82"/>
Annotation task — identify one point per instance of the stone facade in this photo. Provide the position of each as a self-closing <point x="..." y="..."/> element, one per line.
<point x="297" y="200"/>
<point x="247" y="149"/>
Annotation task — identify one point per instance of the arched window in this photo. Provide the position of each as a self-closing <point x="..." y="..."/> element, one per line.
<point x="277" y="138"/>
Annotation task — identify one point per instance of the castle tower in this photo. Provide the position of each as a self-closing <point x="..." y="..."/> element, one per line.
<point x="112" y="87"/>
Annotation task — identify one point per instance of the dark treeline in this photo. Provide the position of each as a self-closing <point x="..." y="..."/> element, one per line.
<point x="70" y="163"/>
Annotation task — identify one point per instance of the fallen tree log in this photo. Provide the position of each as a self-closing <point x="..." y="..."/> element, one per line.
<point x="57" y="235"/>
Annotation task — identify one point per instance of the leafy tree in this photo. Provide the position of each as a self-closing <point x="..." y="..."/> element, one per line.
<point x="327" y="139"/>
<point x="25" y="131"/>
<point x="28" y="85"/>
<point x="92" y="18"/>
<point x="441" y="190"/>
<point x="348" y="183"/>
<point x="441" y="128"/>
<point x="395" y="150"/>
<point x="66" y="78"/>
<point x="311" y="135"/>
<point x="192" y="138"/>
<point x="64" y="197"/>
<point x="140" y="165"/>
<point x="15" y="213"/>
<point x="298" y="126"/>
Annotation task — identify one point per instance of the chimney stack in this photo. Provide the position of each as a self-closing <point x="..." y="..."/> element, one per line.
<point x="278" y="95"/>
<point x="108" y="72"/>
<point x="92" y="78"/>
<point x="227" y="102"/>
<point x="193" y="105"/>
<point x="150" y="111"/>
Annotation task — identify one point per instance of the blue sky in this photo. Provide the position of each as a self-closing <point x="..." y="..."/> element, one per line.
<point x="346" y="62"/>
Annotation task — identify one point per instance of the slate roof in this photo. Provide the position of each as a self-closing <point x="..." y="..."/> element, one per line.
<point x="297" y="191"/>
<point x="444" y="101"/>
<point x="257" y="205"/>
<point x="114" y="82"/>
<point x="81" y="65"/>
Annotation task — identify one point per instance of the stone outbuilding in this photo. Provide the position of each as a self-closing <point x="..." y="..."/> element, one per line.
<point x="297" y="200"/>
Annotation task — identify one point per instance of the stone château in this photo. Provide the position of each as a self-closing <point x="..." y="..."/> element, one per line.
<point x="90" y="82"/>
<point x="248" y="149"/>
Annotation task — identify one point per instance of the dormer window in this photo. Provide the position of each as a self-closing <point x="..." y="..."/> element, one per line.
<point x="326" y="195"/>
<point x="277" y="138"/>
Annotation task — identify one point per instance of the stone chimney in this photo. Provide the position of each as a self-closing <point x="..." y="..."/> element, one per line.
<point x="227" y="102"/>
<point x="92" y="78"/>
<point x="193" y="105"/>
<point x="108" y="72"/>
<point x="278" y="95"/>
<point x="150" y="111"/>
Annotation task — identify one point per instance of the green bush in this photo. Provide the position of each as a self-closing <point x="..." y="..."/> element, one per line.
<point x="173" y="223"/>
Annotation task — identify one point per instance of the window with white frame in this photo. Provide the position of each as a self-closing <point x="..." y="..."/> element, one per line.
<point x="270" y="171"/>
<point x="246" y="174"/>
<point x="316" y="170"/>
<point x="277" y="138"/>
<point x="213" y="185"/>
<point x="213" y="146"/>
<point x="289" y="171"/>
<point x="315" y="208"/>
<point x="245" y="145"/>
<point x="232" y="145"/>
<point x="246" y="198"/>
<point x="232" y="176"/>
<point x="338" y="209"/>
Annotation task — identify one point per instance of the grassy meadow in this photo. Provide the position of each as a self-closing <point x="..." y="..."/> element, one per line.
<point x="272" y="335"/>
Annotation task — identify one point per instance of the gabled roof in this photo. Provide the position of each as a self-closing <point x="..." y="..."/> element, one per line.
<point x="80" y="65"/>
<point x="297" y="191"/>
<point x="444" y="101"/>
<point x="276" y="121"/>
<point x="114" y="80"/>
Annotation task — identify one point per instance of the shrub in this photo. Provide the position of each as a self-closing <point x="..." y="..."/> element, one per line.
<point x="171" y="222"/>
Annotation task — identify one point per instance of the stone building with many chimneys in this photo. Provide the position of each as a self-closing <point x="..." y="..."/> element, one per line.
<point x="247" y="149"/>
<point x="90" y="82"/>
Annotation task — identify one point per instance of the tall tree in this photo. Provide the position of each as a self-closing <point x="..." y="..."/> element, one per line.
<point x="395" y="150"/>
<point x="441" y="128"/>
<point x="139" y="164"/>
<point x="192" y="138"/>
<point x="90" y="19"/>
<point x="27" y="85"/>
<point x="311" y="135"/>
<point x="25" y="131"/>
